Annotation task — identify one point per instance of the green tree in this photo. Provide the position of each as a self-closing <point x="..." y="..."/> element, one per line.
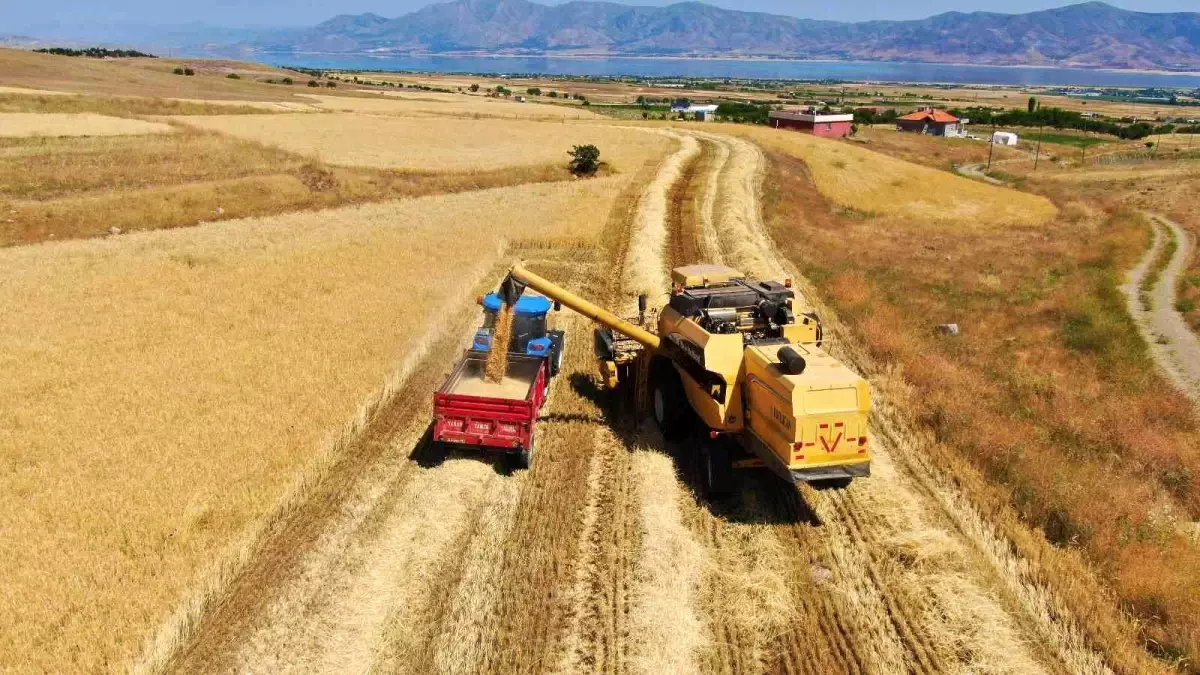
<point x="234" y="76"/>
<point x="189" y="72"/>
<point x="287" y="80"/>
<point x="474" y="87"/>
<point x="641" y="100"/>
<point x="585" y="160"/>
<point x="533" y="91"/>
<point x="1033" y="104"/>
<point x="178" y="71"/>
<point x="313" y="83"/>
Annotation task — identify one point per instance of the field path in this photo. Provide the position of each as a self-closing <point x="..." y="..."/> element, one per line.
<point x="895" y="574"/>
<point x="1172" y="343"/>
<point x="602" y="557"/>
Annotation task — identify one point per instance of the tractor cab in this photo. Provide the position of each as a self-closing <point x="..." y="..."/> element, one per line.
<point x="529" y="331"/>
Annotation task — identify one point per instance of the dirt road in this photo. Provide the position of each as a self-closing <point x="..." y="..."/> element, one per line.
<point x="601" y="557"/>
<point x="1172" y="342"/>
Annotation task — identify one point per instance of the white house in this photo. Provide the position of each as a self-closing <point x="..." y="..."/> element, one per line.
<point x="1004" y="138"/>
<point x="703" y="113"/>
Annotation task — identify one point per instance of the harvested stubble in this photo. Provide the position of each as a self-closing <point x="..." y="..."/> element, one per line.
<point x="80" y="187"/>
<point x="451" y="105"/>
<point x="434" y="144"/>
<point x="866" y="182"/>
<point x="254" y="339"/>
<point x="135" y="77"/>
<point x="20" y="125"/>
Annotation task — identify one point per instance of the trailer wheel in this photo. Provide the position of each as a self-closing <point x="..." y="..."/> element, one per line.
<point x="525" y="457"/>
<point x="716" y="470"/>
<point x="669" y="403"/>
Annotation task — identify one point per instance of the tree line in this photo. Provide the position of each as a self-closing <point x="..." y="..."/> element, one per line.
<point x="97" y="53"/>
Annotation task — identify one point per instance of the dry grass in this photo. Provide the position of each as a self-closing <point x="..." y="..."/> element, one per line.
<point x="1045" y="334"/>
<point x="57" y="125"/>
<point x="74" y="188"/>
<point x="278" y="341"/>
<point x="432" y="144"/>
<point x="867" y="182"/>
<point x="139" y="77"/>
<point x="130" y="106"/>
<point x="939" y="153"/>
<point x="433" y="104"/>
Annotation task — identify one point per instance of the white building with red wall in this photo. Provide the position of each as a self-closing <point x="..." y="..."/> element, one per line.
<point x="829" y="126"/>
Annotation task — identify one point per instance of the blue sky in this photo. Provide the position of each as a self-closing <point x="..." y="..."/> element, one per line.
<point x="18" y="15"/>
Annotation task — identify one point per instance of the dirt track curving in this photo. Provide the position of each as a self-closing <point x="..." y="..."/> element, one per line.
<point x="601" y="557"/>
<point x="1171" y="341"/>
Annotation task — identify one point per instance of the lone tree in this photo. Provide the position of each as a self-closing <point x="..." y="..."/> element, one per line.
<point x="1033" y="104"/>
<point x="585" y="159"/>
<point x="474" y="87"/>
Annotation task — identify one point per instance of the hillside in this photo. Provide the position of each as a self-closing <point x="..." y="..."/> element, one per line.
<point x="1092" y="34"/>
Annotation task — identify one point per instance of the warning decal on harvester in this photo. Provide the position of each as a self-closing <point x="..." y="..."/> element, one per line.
<point x="830" y="441"/>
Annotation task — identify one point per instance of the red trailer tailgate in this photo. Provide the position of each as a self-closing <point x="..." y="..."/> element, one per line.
<point x="498" y="421"/>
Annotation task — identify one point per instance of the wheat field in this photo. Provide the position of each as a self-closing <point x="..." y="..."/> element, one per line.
<point x="23" y="125"/>
<point x="184" y="377"/>
<point x="430" y="144"/>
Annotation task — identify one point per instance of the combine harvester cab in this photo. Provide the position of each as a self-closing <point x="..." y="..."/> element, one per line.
<point x="499" y="417"/>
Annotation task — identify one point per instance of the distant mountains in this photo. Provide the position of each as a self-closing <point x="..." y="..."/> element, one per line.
<point x="1091" y="34"/>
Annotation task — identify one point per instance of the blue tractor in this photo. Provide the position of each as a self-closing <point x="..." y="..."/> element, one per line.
<point x="529" y="334"/>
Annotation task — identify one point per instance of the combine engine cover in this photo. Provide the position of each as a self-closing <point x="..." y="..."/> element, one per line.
<point x="807" y="413"/>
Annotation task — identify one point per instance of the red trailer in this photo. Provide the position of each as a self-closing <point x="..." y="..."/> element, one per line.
<point x="473" y="411"/>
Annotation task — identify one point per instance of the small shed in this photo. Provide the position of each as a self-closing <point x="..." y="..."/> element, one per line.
<point x="810" y="122"/>
<point x="1004" y="138"/>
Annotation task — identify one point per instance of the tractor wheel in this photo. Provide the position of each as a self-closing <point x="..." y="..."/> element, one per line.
<point x="556" y="361"/>
<point x="525" y="457"/>
<point x="716" y="470"/>
<point x="670" y="403"/>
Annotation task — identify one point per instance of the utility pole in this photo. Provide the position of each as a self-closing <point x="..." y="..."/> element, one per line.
<point x="1037" y="153"/>
<point x="991" y="147"/>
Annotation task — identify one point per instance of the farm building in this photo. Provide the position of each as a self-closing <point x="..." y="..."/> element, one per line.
<point x="703" y="113"/>
<point x="1004" y="138"/>
<point x="931" y="121"/>
<point x="808" y="121"/>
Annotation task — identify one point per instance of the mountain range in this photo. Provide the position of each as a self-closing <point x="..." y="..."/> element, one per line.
<point x="1092" y="34"/>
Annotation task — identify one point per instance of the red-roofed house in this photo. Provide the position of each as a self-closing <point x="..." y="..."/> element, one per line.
<point x="931" y="121"/>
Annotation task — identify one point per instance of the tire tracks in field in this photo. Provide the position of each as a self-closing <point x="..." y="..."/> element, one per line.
<point x="1170" y="341"/>
<point x="983" y="607"/>
<point x="406" y="561"/>
<point x="559" y="591"/>
<point x="890" y="580"/>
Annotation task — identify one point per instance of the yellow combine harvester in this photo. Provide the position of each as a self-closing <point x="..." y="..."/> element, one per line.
<point x="731" y="352"/>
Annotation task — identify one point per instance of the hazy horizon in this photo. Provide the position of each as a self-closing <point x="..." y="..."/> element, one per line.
<point x="33" y="17"/>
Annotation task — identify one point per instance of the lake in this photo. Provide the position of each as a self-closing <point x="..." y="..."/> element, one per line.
<point x="755" y="69"/>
